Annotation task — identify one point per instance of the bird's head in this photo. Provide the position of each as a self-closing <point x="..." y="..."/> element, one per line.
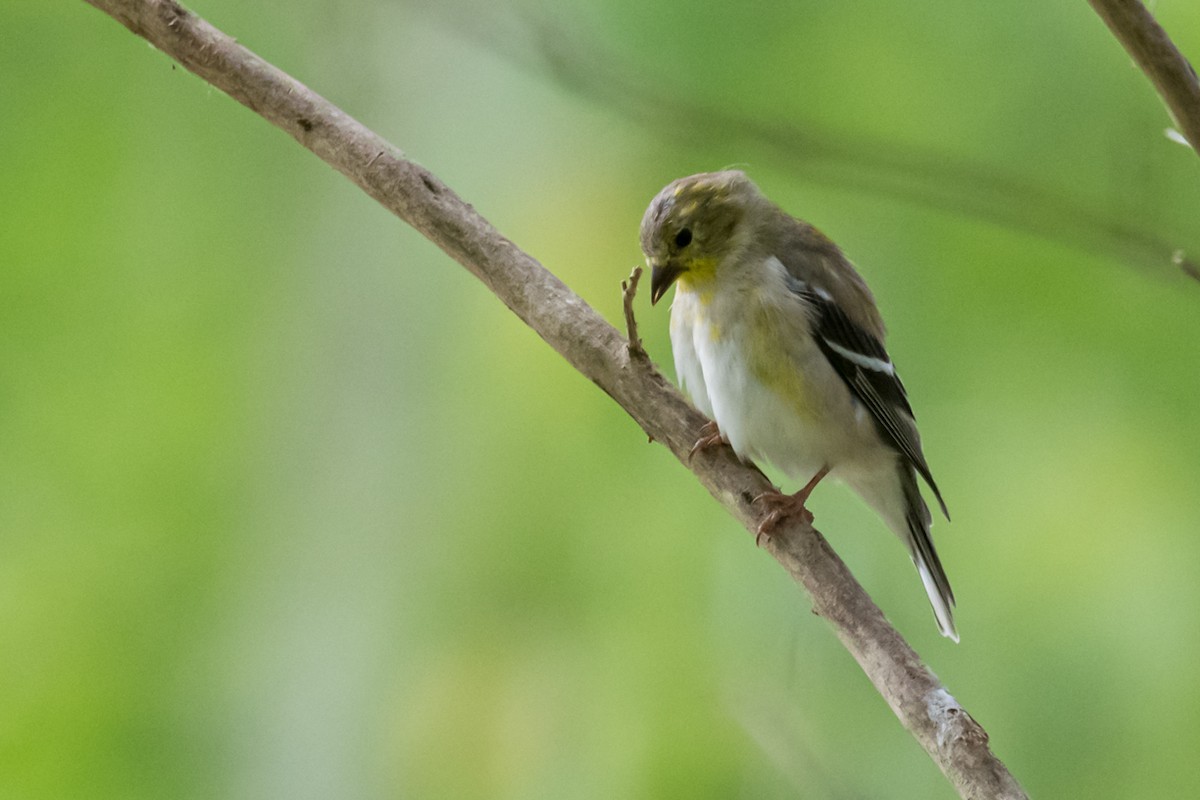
<point x="694" y="225"/>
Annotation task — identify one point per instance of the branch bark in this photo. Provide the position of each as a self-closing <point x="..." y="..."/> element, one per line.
<point x="956" y="743"/>
<point x="1156" y="55"/>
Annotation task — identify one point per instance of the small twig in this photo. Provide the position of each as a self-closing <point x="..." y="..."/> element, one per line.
<point x="1156" y="55"/>
<point x="628" y="290"/>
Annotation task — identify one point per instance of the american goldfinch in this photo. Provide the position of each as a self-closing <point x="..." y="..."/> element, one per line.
<point x="777" y="339"/>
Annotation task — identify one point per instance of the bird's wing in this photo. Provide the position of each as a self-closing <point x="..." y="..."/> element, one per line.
<point x="860" y="360"/>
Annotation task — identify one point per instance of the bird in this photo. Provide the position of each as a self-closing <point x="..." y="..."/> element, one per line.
<point x="778" y="340"/>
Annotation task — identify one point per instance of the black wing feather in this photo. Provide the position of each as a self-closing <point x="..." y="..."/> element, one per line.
<point x="879" y="390"/>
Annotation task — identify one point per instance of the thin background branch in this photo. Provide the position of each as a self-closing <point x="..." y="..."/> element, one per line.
<point x="879" y="168"/>
<point x="1172" y="75"/>
<point x="955" y="741"/>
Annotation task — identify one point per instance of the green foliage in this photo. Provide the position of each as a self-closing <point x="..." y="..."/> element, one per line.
<point x="292" y="507"/>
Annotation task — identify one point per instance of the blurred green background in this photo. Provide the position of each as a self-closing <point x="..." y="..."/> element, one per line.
<point x="291" y="506"/>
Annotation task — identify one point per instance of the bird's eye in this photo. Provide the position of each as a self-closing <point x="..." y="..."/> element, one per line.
<point x="683" y="238"/>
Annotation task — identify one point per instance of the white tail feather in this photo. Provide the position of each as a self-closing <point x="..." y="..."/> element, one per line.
<point x="945" y="619"/>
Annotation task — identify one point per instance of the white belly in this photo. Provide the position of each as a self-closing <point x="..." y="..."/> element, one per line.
<point x="801" y="422"/>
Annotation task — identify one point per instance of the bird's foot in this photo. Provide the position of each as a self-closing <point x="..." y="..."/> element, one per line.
<point x="710" y="435"/>
<point x="780" y="507"/>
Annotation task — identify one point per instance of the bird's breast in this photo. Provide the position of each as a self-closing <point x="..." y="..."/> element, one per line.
<point x="773" y="394"/>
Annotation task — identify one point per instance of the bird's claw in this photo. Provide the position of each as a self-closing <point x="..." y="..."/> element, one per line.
<point x="710" y="435"/>
<point x="782" y="506"/>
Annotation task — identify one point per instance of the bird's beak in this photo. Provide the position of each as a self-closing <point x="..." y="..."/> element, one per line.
<point x="662" y="275"/>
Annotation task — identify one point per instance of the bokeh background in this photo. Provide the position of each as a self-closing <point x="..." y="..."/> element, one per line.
<point x="291" y="506"/>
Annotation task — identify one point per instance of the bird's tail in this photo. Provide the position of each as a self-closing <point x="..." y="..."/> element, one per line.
<point x="917" y="519"/>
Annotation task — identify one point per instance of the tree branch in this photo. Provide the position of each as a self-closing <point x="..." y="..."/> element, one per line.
<point x="957" y="744"/>
<point x="1156" y="55"/>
